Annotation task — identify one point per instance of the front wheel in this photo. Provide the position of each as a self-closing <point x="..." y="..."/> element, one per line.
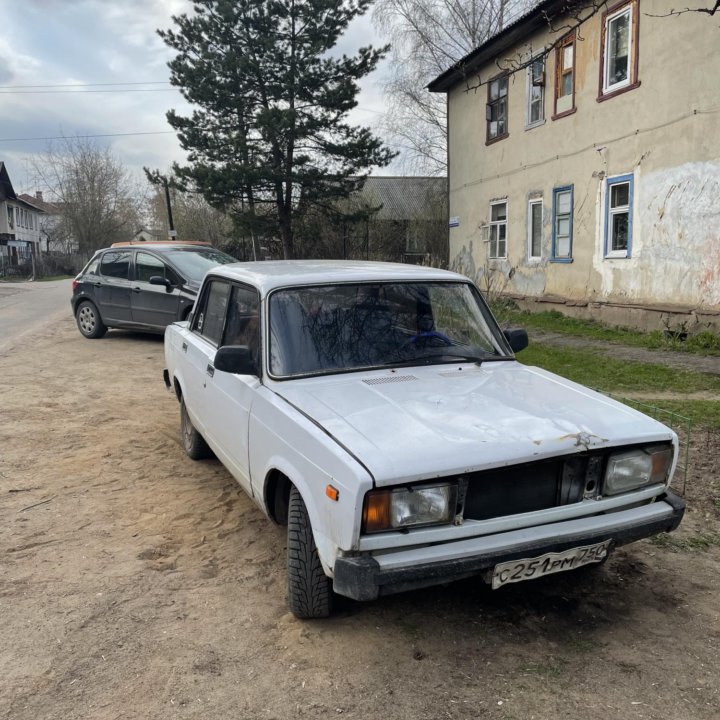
<point x="88" y="320"/>
<point x="193" y="442"/>
<point x="309" y="589"/>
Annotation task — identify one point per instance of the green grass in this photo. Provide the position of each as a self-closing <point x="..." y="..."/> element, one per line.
<point x="47" y="278"/>
<point x="613" y="375"/>
<point x="701" y="541"/>
<point x="622" y="376"/>
<point x="703" y="343"/>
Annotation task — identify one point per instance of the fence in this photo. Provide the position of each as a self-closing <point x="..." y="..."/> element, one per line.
<point x="24" y="266"/>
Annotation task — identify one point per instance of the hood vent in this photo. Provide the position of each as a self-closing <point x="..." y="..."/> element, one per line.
<point x="390" y="379"/>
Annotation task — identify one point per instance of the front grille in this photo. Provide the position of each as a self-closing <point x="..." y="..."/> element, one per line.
<point x="531" y="486"/>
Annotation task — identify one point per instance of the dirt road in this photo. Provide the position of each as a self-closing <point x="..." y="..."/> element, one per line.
<point x="135" y="583"/>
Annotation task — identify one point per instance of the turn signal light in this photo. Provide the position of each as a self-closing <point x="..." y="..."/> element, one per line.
<point x="376" y="512"/>
<point x="332" y="493"/>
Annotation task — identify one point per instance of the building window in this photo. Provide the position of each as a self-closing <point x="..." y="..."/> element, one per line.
<point x="498" y="229"/>
<point x="619" y="50"/>
<point x="497" y="108"/>
<point x="565" y="76"/>
<point x="618" y="216"/>
<point x="562" y="224"/>
<point x="535" y="218"/>
<point x="536" y="93"/>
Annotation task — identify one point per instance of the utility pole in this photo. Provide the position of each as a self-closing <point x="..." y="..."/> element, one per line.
<point x="171" y="226"/>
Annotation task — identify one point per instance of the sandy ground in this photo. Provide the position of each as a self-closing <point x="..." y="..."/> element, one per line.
<point x="136" y="583"/>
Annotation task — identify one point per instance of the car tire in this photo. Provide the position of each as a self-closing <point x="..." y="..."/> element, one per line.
<point x="309" y="589"/>
<point x="88" y="320"/>
<point x="193" y="442"/>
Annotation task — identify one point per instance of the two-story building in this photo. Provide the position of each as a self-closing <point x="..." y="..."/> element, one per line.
<point x="20" y="225"/>
<point x="584" y="161"/>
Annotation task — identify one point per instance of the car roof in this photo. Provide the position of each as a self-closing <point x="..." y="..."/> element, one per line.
<point x="268" y="275"/>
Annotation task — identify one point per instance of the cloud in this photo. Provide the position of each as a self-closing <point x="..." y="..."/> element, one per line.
<point x="60" y="42"/>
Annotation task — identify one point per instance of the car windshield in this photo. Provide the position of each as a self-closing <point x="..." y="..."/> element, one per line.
<point x="194" y="262"/>
<point x="336" y="328"/>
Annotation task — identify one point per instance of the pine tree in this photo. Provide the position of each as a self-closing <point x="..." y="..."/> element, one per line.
<point x="269" y="137"/>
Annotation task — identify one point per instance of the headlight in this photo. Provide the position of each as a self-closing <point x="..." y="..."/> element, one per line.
<point x="409" y="507"/>
<point x="637" y="468"/>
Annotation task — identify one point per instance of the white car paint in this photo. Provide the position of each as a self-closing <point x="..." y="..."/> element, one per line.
<point x="379" y="428"/>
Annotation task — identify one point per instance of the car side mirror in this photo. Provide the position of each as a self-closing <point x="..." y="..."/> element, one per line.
<point x="517" y="339"/>
<point x="160" y="280"/>
<point x="236" y="359"/>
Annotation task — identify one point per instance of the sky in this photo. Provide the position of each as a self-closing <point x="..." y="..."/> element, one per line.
<point x="70" y="42"/>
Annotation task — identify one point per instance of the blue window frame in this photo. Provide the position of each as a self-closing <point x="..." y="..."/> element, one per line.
<point x="562" y="235"/>
<point x="618" y="216"/>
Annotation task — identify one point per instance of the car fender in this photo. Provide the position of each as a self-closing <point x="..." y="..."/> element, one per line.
<point x="283" y="439"/>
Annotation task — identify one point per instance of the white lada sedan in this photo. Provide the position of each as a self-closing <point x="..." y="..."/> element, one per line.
<point x="379" y="412"/>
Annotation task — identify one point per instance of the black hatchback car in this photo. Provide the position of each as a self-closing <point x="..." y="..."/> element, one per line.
<point x="144" y="286"/>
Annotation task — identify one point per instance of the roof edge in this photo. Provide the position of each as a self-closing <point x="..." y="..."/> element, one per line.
<point x="505" y="39"/>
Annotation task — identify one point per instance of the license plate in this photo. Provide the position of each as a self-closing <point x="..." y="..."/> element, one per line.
<point x="528" y="568"/>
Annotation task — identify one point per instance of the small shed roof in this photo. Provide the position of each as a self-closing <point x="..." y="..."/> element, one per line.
<point x="402" y="198"/>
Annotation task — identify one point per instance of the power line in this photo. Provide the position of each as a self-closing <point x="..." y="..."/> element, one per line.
<point x="103" y="135"/>
<point x="84" y="92"/>
<point x="81" y="85"/>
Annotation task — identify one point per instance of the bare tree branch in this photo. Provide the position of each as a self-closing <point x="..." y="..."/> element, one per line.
<point x="708" y="11"/>
<point x="571" y="16"/>
<point x="427" y="37"/>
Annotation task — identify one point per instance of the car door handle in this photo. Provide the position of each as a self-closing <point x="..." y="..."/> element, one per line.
<point x="97" y="284"/>
<point x="184" y="347"/>
<point x="136" y="289"/>
<point x="210" y="370"/>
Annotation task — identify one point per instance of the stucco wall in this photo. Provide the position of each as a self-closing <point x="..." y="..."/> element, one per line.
<point x="666" y="132"/>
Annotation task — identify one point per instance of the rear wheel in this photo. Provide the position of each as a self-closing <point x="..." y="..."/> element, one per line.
<point x="88" y="320"/>
<point x="193" y="442"/>
<point x="309" y="589"/>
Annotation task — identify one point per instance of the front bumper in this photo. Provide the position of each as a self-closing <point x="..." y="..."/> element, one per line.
<point x="366" y="577"/>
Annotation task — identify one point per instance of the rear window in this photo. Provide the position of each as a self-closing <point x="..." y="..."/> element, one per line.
<point x="193" y="263"/>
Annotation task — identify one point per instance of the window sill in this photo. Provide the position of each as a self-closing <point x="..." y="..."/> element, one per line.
<point x="561" y="260"/>
<point x="539" y="123"/>
<point x="564" y="114"/>
<point x="617" y="256"/>
<point x="497" y="139"/>
<point x="614" y="93"/>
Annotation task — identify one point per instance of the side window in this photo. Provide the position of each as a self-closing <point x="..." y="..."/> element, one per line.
<point x="496" y="111"/>
<point x="565" y="76"/>
<point x="210" y="317"/>
<point x="243" y="319"/>
<point x="536" y="93"/>
<point x="115" y="263"/>
<point x="618" y="216"/>
<point x="146" y="266"/>
<point x="562" y="224"/>
<point x="498" y="230"/>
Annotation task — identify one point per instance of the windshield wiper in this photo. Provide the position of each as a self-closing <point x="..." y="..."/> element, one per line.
<point x="443" y="357"/>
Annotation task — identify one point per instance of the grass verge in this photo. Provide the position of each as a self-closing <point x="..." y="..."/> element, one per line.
<point x="622" y="376"/>
<point x="701" y="343"/>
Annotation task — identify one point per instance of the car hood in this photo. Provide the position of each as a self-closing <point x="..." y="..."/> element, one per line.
<point x="419" y="423"/>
